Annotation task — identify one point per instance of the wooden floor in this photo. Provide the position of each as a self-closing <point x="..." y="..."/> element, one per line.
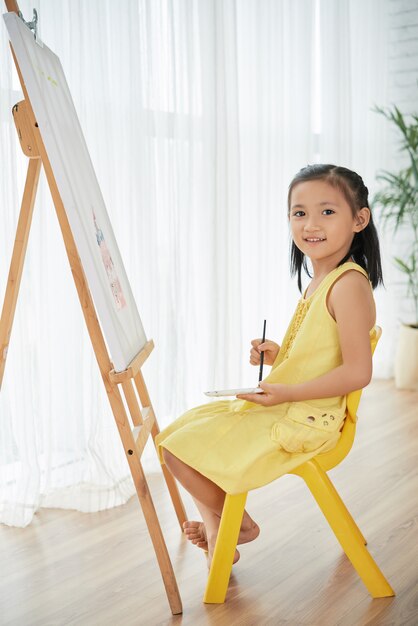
<point x="100" y="569"/>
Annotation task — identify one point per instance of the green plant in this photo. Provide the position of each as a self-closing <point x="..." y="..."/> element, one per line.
<point x="398" y="199"/>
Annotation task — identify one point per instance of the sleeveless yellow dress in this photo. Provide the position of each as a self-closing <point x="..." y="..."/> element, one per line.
<point x="240" y="445"/>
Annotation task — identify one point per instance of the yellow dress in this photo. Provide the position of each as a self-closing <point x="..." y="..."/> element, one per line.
<point x="240" y="445"/>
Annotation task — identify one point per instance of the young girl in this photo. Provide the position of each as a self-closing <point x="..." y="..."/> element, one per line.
<point x="234" y="446"/>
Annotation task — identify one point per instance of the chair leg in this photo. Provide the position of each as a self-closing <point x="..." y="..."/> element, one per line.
<point x="226" y="542"/>
<point x="339" y="503"/>
<point x="324" y="493"/>
<point x="355" y="529"/>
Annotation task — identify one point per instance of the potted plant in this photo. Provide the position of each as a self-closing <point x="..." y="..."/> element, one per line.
<point x="398" y="202"/>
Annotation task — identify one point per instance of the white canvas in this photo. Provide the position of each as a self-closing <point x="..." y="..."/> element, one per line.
<point x="67" y="151"/>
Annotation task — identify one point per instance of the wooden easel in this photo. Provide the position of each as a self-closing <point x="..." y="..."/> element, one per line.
<point x="134" y="434"/>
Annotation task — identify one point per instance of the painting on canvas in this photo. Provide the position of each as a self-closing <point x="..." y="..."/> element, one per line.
<point x="73" y="170"/>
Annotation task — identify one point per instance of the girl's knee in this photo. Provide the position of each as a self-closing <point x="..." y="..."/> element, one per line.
<point x="175" y="466"/>
<point x="169" y="459"/>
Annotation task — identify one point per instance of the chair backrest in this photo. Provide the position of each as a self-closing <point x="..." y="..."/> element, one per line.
<point x="330" y="459"/>
<point x="353" y="398"/>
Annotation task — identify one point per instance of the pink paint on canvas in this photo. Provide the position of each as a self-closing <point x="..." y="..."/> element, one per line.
<point x="112" y="276"/>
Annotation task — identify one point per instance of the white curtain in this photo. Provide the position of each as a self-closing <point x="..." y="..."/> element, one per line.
<point x="197" y="115"/>
<point x="354" y="78"/>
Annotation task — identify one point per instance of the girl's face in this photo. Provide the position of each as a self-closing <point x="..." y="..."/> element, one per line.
<point x="322" y="222"/>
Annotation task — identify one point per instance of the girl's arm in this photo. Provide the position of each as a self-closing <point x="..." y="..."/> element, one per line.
<point x="351" y="304"/>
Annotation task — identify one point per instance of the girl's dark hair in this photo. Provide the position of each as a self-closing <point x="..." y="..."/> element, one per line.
<point x="364" y="248"/>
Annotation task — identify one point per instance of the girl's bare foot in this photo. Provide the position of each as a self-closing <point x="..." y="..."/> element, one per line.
<point x="249" y="533"/>
<point x="196" y="533"/>
<point x="236" y="558"/>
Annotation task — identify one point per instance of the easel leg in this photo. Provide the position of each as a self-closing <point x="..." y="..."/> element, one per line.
<point x="145" y="500"/>
<point x="169" y="479"/>
<point x="18" y="258"/>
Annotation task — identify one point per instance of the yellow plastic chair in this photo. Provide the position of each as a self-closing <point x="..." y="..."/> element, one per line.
<point x="314" y="473"/>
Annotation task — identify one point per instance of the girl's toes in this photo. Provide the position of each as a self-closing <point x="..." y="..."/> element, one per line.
<point x="195" y="533"/>
<point x="193" y="536"/>
<point x="188" y="527"/>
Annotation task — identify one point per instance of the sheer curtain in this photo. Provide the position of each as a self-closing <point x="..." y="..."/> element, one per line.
<point x="197" y="115"/>
<point x="353" y="68"/>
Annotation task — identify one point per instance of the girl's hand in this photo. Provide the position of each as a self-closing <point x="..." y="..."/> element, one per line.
<point x="270" y="349"/>
<point x="272" y="394"/>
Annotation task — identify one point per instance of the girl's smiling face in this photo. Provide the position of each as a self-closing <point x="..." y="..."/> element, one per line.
<point x="322" y="222"/>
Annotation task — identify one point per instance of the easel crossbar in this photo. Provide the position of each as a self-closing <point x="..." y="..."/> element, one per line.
<point x="134" y="366"/>
<point x="141" y="433"/>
